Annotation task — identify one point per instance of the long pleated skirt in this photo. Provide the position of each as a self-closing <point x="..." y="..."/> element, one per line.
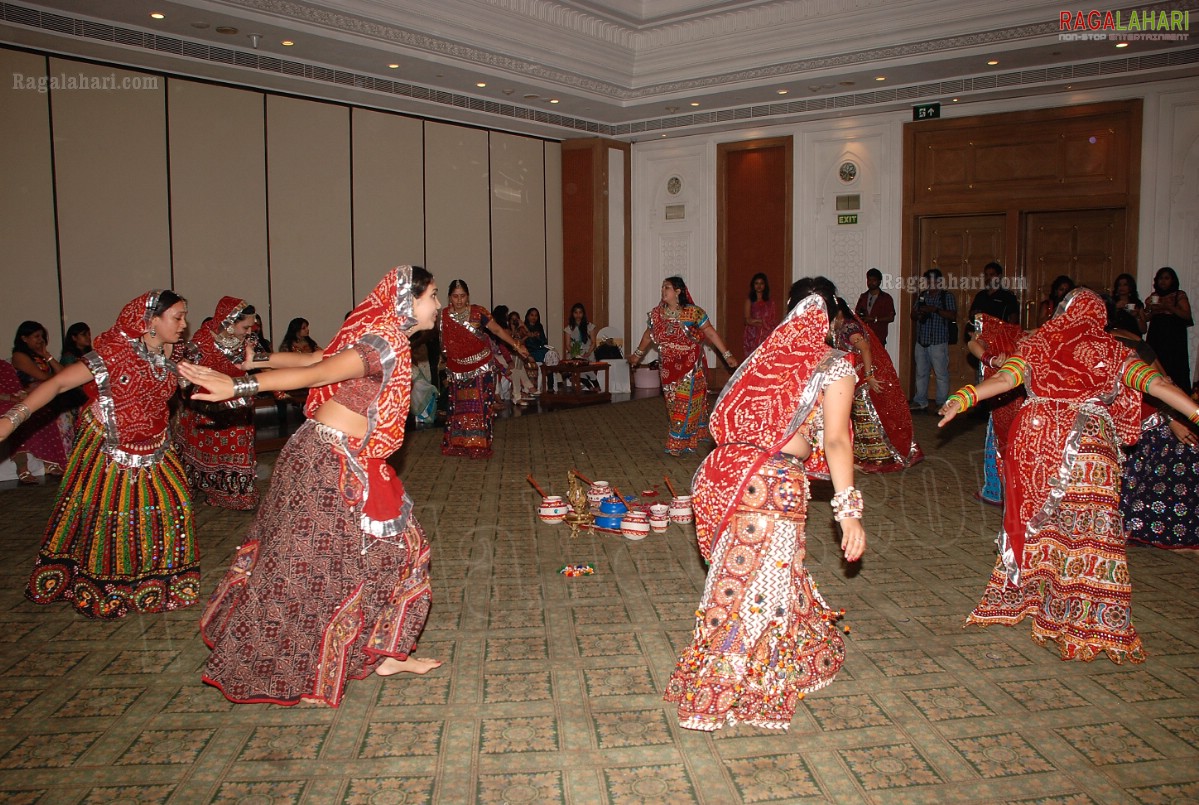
<point x="311" y="602"/>
<point x="121" y="539"/>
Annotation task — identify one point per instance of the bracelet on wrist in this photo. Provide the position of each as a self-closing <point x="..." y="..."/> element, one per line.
<point x="847" y="504"/>
<point x="1194" y="417"/>
<point x="245" y="386"/>
<point x="17" y="415"/>
<point x="966" y="397"/>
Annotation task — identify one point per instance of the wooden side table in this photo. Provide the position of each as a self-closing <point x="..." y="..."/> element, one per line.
<point x="568" y="387"/>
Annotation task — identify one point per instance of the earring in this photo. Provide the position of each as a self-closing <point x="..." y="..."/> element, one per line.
<point x="153" y="332"/>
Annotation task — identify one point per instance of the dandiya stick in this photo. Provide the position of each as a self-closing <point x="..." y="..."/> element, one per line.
<point x="529" y="478"/>
<point x="670" y="486"/>
<point x="619" y="496"/>
<point x="582" y="477"/>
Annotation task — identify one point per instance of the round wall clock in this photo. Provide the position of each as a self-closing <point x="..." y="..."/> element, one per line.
<point x="848" y="171"/>
<point x="673" y="185"/>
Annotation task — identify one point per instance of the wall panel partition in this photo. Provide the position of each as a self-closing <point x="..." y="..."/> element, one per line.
<point x="27" y="238"/>
<point x="389" y="201"/>
<point x="218" y="196"/>
<point x="111" y="181"/>
<point x="457" y="191"/>
<point x="308" y="186"/>
<point x="518" y="222"/>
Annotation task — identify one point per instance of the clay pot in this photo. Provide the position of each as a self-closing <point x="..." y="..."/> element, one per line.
<point x="659" y="517"/>
<point x="598" y="492"/>
<point x="552" y="509"/>
<point x="635" y="526"/>
<point x="680" y="509"/>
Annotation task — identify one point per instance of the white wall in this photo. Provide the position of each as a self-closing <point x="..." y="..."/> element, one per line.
<point x="1169" y="218"/>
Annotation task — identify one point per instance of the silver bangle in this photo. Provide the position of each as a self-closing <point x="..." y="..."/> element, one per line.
<point x="245" y="386"/>
<point x="18" y="415"/>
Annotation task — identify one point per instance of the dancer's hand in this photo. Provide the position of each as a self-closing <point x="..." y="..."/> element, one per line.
<point x="211" y="385"/>
<point x="874" y="383"/>
<point x="948" y="411"/>
<point x="853" y="539"/>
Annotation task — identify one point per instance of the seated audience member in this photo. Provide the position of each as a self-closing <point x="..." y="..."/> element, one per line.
<point x="297" y="339"/>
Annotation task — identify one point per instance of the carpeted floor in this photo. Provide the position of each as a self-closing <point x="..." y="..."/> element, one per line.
<point x="551" y="691"/>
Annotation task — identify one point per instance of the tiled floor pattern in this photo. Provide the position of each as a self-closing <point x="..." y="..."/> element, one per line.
<point x="551" y="691"/>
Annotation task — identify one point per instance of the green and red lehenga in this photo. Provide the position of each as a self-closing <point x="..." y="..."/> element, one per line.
<point x="121" y="538"/>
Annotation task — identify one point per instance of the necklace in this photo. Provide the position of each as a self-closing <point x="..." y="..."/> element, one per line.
<point x="232" y="346"/>
<point x="156" y="359"/>
<point x="460" y="316"/>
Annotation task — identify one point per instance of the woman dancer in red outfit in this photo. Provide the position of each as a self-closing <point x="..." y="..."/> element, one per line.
<point x="336" y="518"/>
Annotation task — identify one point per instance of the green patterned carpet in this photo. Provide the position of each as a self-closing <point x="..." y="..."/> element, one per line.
<point x="551" y="691"/>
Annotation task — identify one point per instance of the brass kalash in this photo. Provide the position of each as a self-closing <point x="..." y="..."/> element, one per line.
<point x="580" y="514"/>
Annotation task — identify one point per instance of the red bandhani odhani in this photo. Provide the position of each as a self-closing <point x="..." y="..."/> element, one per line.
<point x="470" y="377"/>
<point x="763" y="636"/>
<point x="679" y="336"/>
<point x="217" y="439"/>
<point x="1062" y="557"/>
<point x="121" y="539"/>
<point x="381" y="321"/>
<point x="1000" y="338"/>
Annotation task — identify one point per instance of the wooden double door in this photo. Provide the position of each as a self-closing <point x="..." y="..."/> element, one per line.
<point x="1089" y="246"/>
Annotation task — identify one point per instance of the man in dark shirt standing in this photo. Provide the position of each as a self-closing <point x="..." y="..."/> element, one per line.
<point x="876" y="307"/>
<point x="994" y="299"/>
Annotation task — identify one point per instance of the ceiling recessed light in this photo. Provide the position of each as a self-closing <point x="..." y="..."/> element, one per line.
<point x="553" y="100"/>
<point x="670" y="110"/>
<point x="663" y="135"/>
<point x="846" y="83"/>
<point x="481" y="84"/>
<point x="287" y="43"/>
<point x="1121" y="44"/>
<point x="880" y="78"/>
<point x="158" y="15"/>
<point x="227" y="30"/>
<point x="695" y="103"/>
<point x="955" y="100"/>
<point x="393" y="67"/>
<point x="783" y="92"/>
<point x="200" y="25"/>
<point x="993" y="62"/>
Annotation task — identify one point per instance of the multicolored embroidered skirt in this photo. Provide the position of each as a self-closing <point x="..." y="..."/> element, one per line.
<point x="763" y="635"/>
<point x="687" y="406"/>
<point x="468" y="425"/>
<point x="1074" y="579"/>
<point x="303" y="609"/>
<point x="218" y="455"/>
<point x="121" y="539"/>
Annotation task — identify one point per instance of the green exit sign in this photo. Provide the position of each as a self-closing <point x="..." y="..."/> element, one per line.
<point x="926" y="111"/>
<point x="851" y="218"/>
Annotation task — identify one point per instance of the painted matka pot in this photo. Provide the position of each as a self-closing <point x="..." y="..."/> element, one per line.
<point x="680" y="509"/>
<point x="552" y="509"/>
<point x="598" y="492"/>
<point x="659" y="517"/>
<point x="635" y="525"/>
<point x="613" y="507"/>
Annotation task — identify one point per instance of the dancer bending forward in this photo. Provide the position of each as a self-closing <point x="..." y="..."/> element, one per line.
<point x="332" y="580"/>
<point x="763" y="635"/>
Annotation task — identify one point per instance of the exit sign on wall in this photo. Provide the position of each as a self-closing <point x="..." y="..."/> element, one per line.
<point x="926" y="111"/>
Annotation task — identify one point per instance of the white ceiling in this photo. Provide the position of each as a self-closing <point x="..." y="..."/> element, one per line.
<point x="618" y="68"/>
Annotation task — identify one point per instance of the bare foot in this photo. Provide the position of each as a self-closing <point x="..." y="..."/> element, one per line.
<point x="412" y="665"/>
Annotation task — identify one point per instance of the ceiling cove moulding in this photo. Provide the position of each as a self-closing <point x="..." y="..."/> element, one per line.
<point x="933" y="72"/>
